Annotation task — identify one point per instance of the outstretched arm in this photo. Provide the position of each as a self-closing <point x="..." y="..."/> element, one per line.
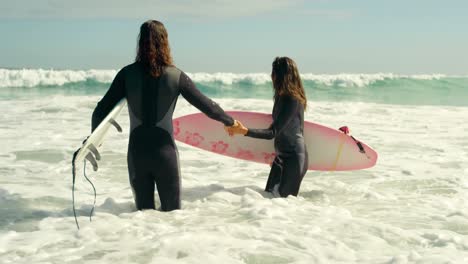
<point x="115" y="93"/>
<point x="287" y="112"/>
<point x="210" y="108"/>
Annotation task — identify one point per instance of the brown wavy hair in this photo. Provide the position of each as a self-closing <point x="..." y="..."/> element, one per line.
<point x="153" y="49"/>
<point x="286" y="80"/>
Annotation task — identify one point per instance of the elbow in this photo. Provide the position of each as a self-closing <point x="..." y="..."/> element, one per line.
<point x="268" y="134"/>
<point x="272" y="135"/>
<point x="96" y="118"/>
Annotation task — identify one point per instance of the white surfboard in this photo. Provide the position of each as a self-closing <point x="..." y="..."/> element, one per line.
<point x="89" y="149"/>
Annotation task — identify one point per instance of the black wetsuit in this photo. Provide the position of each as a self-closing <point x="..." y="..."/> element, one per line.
<point x="152" y="154"/>
<point x="291" y="161"/>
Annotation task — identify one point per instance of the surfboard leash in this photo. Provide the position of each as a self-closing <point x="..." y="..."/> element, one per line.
<point x="73" y="188"/>
<point x="94" y="189"/>
<point x="92" y="156"/>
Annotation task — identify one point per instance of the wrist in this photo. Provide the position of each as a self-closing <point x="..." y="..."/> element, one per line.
<point x="245" y="131"/>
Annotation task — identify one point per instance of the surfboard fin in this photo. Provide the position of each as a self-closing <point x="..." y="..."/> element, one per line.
<point x="345" y="130"/>
<point x="114" y="123"/>
<point x="92" y="160"/>
<point x="94" y="150"/>
<point x="359" y="144"/>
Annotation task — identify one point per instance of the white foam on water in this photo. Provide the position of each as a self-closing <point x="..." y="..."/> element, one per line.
<point x="43" y="77"/>
<point x="409" y="208"/>
<point x="48" y="77"/>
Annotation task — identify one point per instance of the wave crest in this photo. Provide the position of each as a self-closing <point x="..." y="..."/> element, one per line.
<point x="41" y="77"/>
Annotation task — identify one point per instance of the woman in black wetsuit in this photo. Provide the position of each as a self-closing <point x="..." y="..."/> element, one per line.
<point x="151" y="86"/>
<point x="291" y="161"/>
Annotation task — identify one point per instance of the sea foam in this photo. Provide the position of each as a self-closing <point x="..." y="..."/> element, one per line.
<point x="51" y="77"/>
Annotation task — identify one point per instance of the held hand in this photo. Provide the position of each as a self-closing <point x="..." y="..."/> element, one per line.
<point x="241" y="129"/>
<point x="236" y="128"/>
<point x="229" y="129"/>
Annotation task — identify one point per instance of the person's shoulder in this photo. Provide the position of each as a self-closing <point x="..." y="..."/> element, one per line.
<point x="130" y="67"/>
<point x="127" y="68"/>
<point x="173" y="73"/>
<point x="287" y="98"/>
<point x="289" y="101"/>
<point x="173" y="69"/>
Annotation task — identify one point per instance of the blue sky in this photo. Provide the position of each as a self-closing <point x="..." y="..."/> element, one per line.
<point x="323" y="36"/>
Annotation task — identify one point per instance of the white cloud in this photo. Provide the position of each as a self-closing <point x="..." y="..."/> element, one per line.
<point x="139" y="9"/>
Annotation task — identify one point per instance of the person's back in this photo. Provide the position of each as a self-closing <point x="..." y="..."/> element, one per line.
<point x="151" y="88"/>
<point x="152" y="152"/>
<point x="151" y="101"/>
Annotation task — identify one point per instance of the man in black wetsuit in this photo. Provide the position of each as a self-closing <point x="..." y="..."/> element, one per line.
<point x="151" y="86"/>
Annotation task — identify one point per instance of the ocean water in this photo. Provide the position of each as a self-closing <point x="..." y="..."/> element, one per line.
<point x="410" y="208"/>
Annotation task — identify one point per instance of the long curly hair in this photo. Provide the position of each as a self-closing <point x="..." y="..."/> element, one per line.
<point x="286" y="80"/>
<point x="153" y="49"/>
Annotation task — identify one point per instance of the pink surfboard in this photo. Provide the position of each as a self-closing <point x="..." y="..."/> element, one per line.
<point x="329" y="149"/>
